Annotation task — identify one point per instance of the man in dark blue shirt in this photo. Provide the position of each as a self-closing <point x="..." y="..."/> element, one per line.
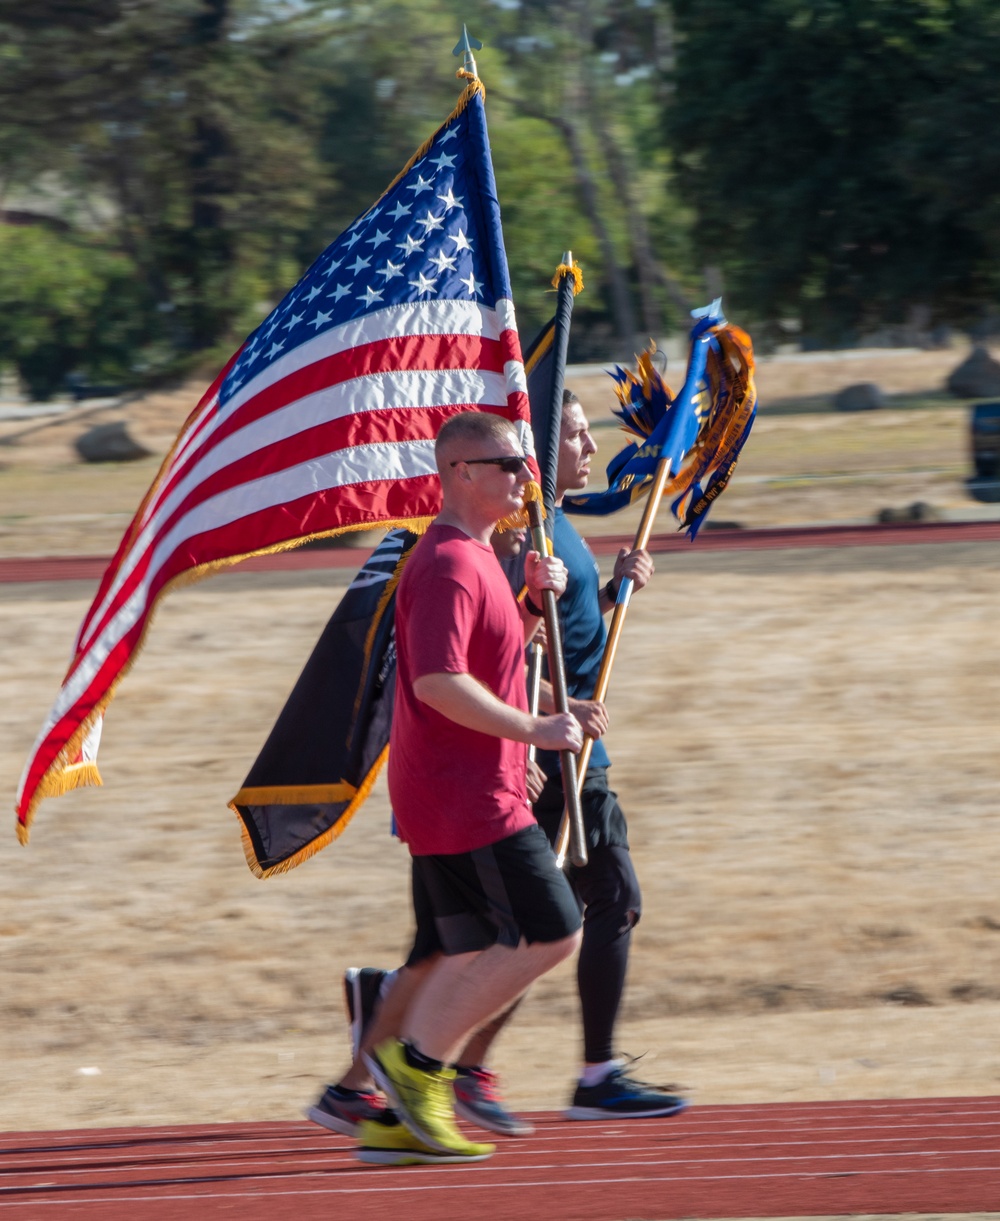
<point x="606" y="886"/>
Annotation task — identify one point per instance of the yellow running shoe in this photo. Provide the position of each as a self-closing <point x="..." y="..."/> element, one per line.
<point x="423" y="1101"/>
<point x="387" y="1142"/>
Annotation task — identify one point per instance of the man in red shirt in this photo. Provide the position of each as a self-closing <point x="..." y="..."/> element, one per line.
<point x="486" y="889"/>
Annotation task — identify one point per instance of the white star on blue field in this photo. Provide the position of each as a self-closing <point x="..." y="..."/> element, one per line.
<point x="414" y="245"/>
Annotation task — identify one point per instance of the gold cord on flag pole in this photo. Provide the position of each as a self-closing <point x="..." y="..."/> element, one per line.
<point x="570" y="268"/>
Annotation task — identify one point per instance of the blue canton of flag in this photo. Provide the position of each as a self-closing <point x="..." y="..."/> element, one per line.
<point x="415" y="245"/>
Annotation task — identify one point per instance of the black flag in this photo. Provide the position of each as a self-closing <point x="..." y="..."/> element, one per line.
<point x="331" y="739"/>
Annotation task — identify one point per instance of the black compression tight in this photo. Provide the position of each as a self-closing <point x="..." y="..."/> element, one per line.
<point x="609" y="890"/>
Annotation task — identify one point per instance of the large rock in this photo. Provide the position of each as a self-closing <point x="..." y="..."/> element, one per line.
<point x="863" y="396"/>
<point x="977" y="377"/>
<point x="919" y="511"/>
<point x="109" y="443"/>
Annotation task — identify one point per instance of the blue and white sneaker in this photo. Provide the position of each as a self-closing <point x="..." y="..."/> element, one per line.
<point x="621" y="1097"/>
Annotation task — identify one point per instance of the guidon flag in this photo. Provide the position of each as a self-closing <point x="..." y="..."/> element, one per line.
<point x="322" y="422"/>
<point x="699" y="432"/>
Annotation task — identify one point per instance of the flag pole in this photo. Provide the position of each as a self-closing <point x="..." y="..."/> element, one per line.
<point x="625" y="591"/>
<point x="567" y="286"/>
<point x="566" y="282"/>
<point x="573" y="817"/>
<point x="719" y="432"/>
<point x="661" y="475"/>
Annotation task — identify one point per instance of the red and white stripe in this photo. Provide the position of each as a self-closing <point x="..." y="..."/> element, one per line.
<point x="336" y="434"/>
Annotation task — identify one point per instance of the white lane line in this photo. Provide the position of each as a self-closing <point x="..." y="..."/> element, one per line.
<point x="209" y="1163"/>
<point x="846" y="1160"/>
<point x="694" y="1122"/>
<point x="493" y="1186"/>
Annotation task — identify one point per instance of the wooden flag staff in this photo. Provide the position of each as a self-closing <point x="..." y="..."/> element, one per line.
<point x="642" y="537"/>
<point x="694" y="441"/>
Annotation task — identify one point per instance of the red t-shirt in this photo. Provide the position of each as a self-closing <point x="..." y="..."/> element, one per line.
<point x="454" y="789"/>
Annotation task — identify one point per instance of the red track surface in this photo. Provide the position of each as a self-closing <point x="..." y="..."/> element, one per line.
<point x="787" y="1159"/>
<point x="91" y="568"/>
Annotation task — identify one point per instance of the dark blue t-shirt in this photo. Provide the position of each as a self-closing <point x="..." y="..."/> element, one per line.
<point x="583" y="630"/>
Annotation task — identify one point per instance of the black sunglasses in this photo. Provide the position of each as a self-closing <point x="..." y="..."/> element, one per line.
<point x="510" y="464"/>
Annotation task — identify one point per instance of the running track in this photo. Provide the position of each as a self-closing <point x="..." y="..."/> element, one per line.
<point x="91" y="568"/>
<point x="785" y="1159"/>
<point x="801" y="1159"/>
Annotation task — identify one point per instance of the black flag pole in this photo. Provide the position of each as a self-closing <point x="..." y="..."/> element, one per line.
<point x="545" y="366"/>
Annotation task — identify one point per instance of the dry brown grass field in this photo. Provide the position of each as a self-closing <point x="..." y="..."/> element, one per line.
<point x="806" y="743"/>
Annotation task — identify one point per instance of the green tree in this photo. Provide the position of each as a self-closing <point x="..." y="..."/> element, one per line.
<point x="187" y="124"/>
<point x="389" y="67"/>
<point x="593" y="70"/>
<point x="218" y="145"/>
<point x="67" y="306"/>
<point x="813" y="142"/>
<point x="949" y="159"/>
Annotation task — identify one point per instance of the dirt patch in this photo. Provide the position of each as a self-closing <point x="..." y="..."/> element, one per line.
<point x="805" y="743"/>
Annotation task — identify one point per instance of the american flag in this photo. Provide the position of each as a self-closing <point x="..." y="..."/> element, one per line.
<point x="323" y="421"/>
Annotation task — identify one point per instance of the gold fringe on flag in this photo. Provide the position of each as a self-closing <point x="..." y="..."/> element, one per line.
<point x="518" y="520"/>
<point x="474" y="87"/>
<point x="724" y="406"/>
<point x="294" y="794"/>
<point x="731" y="399"/>
<point x="321" y="841"/>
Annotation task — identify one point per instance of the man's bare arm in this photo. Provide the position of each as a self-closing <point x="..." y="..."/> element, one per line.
<point x="463" y="699"/>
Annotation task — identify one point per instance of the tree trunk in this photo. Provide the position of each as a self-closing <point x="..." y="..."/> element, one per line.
<point x="621" y="299"/>
<point x="621" y="302"/>
<point x="649" y="271"/>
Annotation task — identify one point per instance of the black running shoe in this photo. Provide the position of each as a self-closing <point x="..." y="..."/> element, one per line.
<point x="362" y="992"/>
<point x="620" y="1097"/>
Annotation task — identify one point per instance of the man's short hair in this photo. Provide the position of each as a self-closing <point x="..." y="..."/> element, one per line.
<point x="569" y="397"/>
<point x="474" y="426"/>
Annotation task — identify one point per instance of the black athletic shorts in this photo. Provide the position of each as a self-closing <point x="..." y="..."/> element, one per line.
<point x="492" y="896"/>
